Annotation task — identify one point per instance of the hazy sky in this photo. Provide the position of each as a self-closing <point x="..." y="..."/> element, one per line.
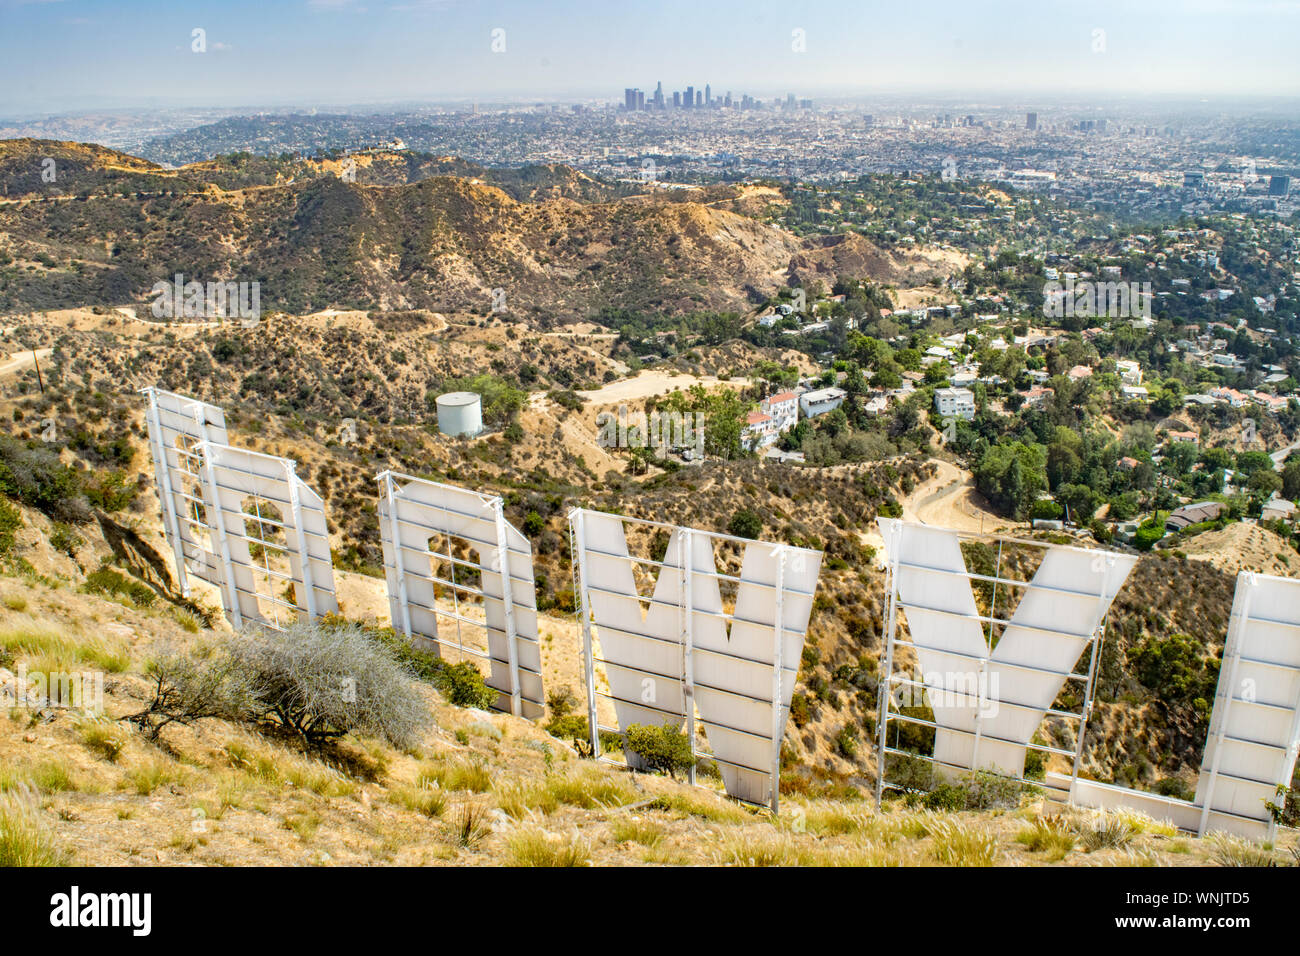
<point x="61" y="54"/>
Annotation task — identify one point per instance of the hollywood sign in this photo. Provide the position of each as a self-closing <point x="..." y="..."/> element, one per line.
<point x="704" y="632"/>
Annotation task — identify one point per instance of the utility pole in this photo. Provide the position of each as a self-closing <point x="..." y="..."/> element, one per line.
<point x="37" y="362"/>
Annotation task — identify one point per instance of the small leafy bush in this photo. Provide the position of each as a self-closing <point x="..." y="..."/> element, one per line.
<point x="662" y="749"/>
<point x="115" y="584"/>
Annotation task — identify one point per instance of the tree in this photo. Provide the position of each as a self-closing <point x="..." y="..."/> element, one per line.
<point x="745" y="524"/>
<point x="664" y="749"/>
<point x="1291" y="478"/>
<point x="1080" y="500"/>
<point x="1149" y="532"/>
<point x="1012" y="475"/>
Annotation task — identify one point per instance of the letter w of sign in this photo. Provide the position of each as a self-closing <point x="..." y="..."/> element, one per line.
<point x="988" y="705"/>
<point x="732" y="668"/>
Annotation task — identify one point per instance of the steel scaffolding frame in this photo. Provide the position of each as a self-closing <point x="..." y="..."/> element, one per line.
<point x="889" y="712"/>
<point x="688" y="620"/>
<point x="483" y="525"/>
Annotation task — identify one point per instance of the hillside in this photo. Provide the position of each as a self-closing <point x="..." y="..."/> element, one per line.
<point x="476" y="789"/>
<point x="559" y="244"/>
<point x="293" y="392"/>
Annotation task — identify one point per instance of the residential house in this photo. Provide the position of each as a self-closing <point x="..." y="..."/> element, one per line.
<point x="759" y="431"/>
<point x="1130" y="373"/>
<point x="783" y="409"/>
<point x="1278" y="509"/>
<point x="955" y="402"/>
<point x="821" y="401"/>
<point x="1187" y="515"/>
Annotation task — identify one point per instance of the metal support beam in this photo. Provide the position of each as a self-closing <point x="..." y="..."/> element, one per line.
<point x="502" y="567"/>
<point x="579" y="553"/>
<point x="778" y="649"/>
<point x="217" y="524"/>
<point x="884" y="687"/>
<point x="390" y="498"/>
<point x="686" y="551"/>
<point x="1089" y="688"/>
<point x="304" y="554"/>
<point x="1236" y="634"/>
<point x="162" y="471"/>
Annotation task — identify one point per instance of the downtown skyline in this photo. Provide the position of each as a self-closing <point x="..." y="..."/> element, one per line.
<point x="88" y="54"/>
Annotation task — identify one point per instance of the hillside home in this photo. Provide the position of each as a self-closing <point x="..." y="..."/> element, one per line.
<point x="1130" y="373"/>
<point x="1278" y="509"/>
<point x="1038" y="396"/>
<point x="783" y="409"/>
<point x="821" y="401"/>
<point x="1197" y="513"/>
<point x="759" y="431"/>
<point x="954" y="402"/>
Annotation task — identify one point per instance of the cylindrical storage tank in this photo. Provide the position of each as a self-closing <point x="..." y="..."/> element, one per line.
<point x="460" y="414"/>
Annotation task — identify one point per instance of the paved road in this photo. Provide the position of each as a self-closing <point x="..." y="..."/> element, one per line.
<point x="1280" y="456"/>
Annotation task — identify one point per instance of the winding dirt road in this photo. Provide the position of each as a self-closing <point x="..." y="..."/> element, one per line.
<point x="23" y="360"/>
<point x="949" y="500"/>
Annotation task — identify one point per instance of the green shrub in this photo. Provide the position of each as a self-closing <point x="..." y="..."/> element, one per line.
<point x="664" y="749"/>
<point x="115" y="584"/>
<point x="1035" y="764"/>
<point x="846" y="742"/>
<point x="976" y="791"/>
<point x="745" y="524"/>
<point x="34" y="475"/>
<point x="574" y="728"/>
<point x="64" y="539"/>
<point x="1149" y="532"/>
<point x="112" y="492"/>
<point x="464" y="686"/>
<point x="1180" y="672"/>
<point x="10" y="521"/>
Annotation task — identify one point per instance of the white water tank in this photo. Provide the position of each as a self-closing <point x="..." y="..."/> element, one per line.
<point x="460" y="414"/>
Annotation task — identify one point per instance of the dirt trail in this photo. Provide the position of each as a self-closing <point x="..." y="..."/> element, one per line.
<point x="24" y="360"/>
<point x="949" y="500"/>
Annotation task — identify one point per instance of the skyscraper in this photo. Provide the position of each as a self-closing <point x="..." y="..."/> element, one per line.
<point x="688" y="100"/>
<point x="708" y="95"/>
<point x="1031" y="121"/>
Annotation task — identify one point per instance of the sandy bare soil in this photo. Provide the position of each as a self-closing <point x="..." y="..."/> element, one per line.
<point x="949" y="500"/>
<point x="23" y="360"/>
<point x="648" y="384"/>
<point x="1244" y="546"/>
